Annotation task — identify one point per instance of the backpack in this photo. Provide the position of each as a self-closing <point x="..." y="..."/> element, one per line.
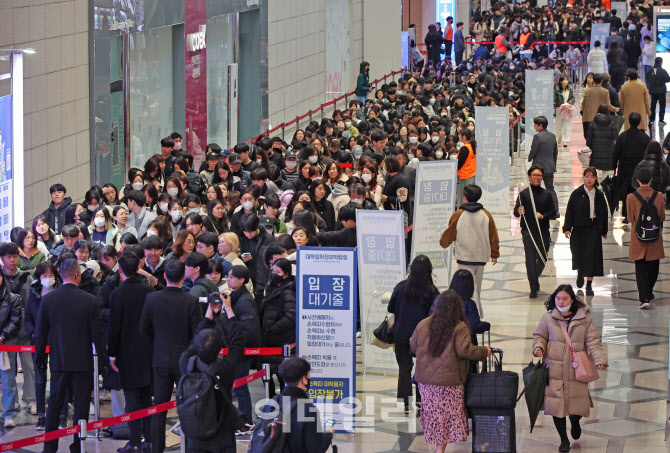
<point x="269" y="435"/>
<point x="648" y="226"/>
<point x="199" y="402"/>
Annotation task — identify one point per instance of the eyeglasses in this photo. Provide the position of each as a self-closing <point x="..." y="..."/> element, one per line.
<point x="536" y="175"/>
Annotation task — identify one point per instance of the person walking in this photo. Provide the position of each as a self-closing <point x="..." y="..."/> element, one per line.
<point x="473" y="232"/>
<point x="594" y="97"/>
<point x="443" y="348"/>
<point x="616" y="59"/>
<point x="536" y="213"/>
<point x="634" y="98"/>
<point x="600" y="138"/>
<point x="646" y="255"/>
<point x="597" y="59"/>
<point x="629" y="150"/>
<point x="586" y="223"/>
<point x="654" y="159"/>
<point x="566" y="396"/>
<point x="563" y="95"/>
<point x="544" y="153"/>
<point x="170" y="318"/>
<point x="459" y="43"/>
<point x="410" y="303"/>
<point x="467" y="162"/>
<point x="68" y="321"/>
<point x="130" y="352"/>
<point x="656" y="79"/>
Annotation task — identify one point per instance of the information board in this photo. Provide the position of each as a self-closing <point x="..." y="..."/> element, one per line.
<point x="434" y="200"/>
<point x="492" y="136"/>
<point x="381" y="264"/>
<point x="326" y="328"/>
<point x="539" y="101"/>
<point x="600" y="32"/>
<point x="6" y="168"/>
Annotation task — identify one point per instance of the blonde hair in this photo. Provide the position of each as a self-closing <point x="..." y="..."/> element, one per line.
<point x="232" y="239"/>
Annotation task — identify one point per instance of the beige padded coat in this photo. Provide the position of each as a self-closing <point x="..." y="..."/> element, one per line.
<point x="565" y="395"/>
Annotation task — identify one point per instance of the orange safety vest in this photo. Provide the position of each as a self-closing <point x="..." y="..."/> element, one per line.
<point x="500" y="47"/>
<point x="469" y="168"/>
<point x="523" y="39"/>
<point x="450" y="33"/>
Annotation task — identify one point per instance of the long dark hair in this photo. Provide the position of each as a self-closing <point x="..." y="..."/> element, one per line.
<point x="419" y="285"/>
<point x="550" y="304"/>
<point x="654" y="153"/>
<point x="463" y="283"/>
<point x="467" y="133"/>
<point x="447" y="315"/>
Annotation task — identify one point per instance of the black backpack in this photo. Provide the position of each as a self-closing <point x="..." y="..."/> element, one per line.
<point x="648" y="226"/>
<point x="269" y="435"/>
<point x="200" y="403"/>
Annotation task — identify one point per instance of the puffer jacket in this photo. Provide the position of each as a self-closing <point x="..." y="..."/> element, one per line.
<point x="601" y="137"/>
<point x="558" y="96"/>
<point x="660" y="171"/>
<point x="565" y="395"/>
<point x="451" y="368"/>
<point x="278" y="321"/>
<point x="11" y="306"/>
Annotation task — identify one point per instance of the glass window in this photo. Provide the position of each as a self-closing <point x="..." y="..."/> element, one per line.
<point x="220" y="54"/>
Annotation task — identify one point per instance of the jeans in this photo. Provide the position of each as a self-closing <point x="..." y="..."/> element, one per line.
<point x="646" y="274"/>
<point x="10" y="393"/>
<point x="242" y="392"/>
<point x="645" y="69"/>
<point x="362" y="99"/>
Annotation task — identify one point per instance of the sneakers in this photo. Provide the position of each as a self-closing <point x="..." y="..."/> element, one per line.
<point x="9" y="422"/>
<point x="32" y="408"/>
<point x="62" y="423"/>
<point x="105" y="395"/>
<point x="248" y="429"/>
<point x="644" y="305"/>
<point x="661" y="122"/>
<point x="40" y="424"/>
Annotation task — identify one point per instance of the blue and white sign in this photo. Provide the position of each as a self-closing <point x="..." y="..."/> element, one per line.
<point x="600" y="32"/>
<point x="539" y="101"/>
<point x="492" y="136"/>
<point x="326" y="329"/>
<point x="6" y="168"/>
<point x="434" y="202"/>
<point x="381" y="264"/>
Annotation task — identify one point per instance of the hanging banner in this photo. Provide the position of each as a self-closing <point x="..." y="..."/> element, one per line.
<point x="6" y="168"/>
<point x="337" y="48"/>
<point x="600" y="32"/>
<point x="195" y="74"/>
<point x="539" y="101"/>
<point x="326" y="329"/>
<point x="381" y="264"/>
<point x="434" y="199"/>
<point x="492" y="136"/>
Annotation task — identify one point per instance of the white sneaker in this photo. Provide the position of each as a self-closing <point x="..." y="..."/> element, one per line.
<point x="32" y="408"/>
<point x="248" y="429"/>
<point x="9" y="422"/>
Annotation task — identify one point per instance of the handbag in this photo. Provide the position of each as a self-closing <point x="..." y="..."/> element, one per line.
<point x="492" y="390"/>
<point x="584" y="156"/>
<point x="583" y="363"/>
<point x="384" y="332"/>
<point x="4" y="361"/>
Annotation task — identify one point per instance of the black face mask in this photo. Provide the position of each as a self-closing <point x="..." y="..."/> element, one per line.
<point x="309" y="383"/>
<point x="277" y="279"/>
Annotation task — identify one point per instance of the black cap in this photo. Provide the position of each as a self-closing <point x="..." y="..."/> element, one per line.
<point x="291" y="155"/>
<point x="212" y="156"/>
<point x="234" y="158"/>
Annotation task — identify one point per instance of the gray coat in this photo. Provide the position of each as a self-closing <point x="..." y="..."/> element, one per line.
<point x="459" y="41"/>
<point x="544" y="151"/>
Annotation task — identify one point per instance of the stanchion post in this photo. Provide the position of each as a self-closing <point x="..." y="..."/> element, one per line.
<point x="283" y="130"/>
<point x="96" y="389"/>
<point x="286" y="350"/>
<point x="266" y="380"/>
<point x="321" y="112"/>
<point x="82" y="435"/>
<point x="297" y="122"/>
<point x="310" y="115"/>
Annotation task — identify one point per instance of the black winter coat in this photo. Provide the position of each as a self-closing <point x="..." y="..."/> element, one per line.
<point x="259" y="271"/>
<point x="578" y="211"/>
<point x="56" y="216"/>
<point x="600" y="137"/>
<point x="244" y="307"/>
<point x="10" y="314"/>
<point x="279" y="313"/>
<point x="660" y="171"/>
<point x="327" y="212"/>
<point x="408" y="314"/>
<point x="628" y="152"/>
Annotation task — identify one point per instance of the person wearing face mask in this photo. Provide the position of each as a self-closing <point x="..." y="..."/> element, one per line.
<point x="413" y="137"/>
<point x="369" y="176"/>
<point x="290" y="172"/>
<point x="363" y="86"/>
<point x="567" y="321"/>
<point x="249" y="205"/>
<point x="176" y="213"/>
<point x="102" y="229"/>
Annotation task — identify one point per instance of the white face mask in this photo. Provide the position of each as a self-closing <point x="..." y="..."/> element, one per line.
<point x="173" y="191"/>
<point x="357" y="201"/>
<point x="347" y="124"/>
<point x="248" y="205"/>
<point x="444" y="115"/>
<point x="151" y="233"/>
<point x="92" y="208"/>
<point x="439" y="154"/>
<point x="435" y="139"/>
<point x="177" y="146"/>
<point x="366" y="177"/>
<point x="312" y="159"/>
<point x="259" y="161"/>
<point x="99" y="223"/>
<point x="195" y="210"/>
<point x="176" y="215"/>
<point x="290" y="164"/>
<point x="47" y="282"/>
<point x="563" y="309"/>
<point x="163" y="206"/>
<point x="413" y="140"/>
<point x="410" y="156"/>
<point x="137" y="186"/>
<point x="432" y="101"/>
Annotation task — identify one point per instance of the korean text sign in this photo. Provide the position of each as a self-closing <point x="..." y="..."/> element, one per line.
<point x="539" y="101"/>
<point x="492" y="135"/>
<point x="326" y="327"/>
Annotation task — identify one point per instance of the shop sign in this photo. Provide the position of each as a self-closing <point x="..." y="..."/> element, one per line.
<point x="196" y="41"/>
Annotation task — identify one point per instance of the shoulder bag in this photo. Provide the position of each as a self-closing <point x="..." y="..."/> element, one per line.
<point x="583" y="363"/>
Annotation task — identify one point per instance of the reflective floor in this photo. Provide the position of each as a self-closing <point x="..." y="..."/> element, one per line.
<point x="630" y="398"/>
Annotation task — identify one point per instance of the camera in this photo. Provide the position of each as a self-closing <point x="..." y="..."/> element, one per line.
<point x="214" y="299"/>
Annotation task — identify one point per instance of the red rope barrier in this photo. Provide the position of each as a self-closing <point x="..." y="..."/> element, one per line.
<point x="224" y="351"/>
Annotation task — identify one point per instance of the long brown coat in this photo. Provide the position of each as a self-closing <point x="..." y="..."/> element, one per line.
<point x="565" y="395"/>
<point x="649" y="251"/>
<point x="634" y="97"/>
<point x="594" y="97"/>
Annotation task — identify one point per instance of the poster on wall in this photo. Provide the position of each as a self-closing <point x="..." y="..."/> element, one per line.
<point x="6" y="205"/>
<point x="326" y="328"/>
<point x="492" y="138"/>
<point x="381" y="263"/>
<point x="337" y="48"/>
<point x="435" y="193"/>
<point x="662" y="18"/>
<point x="539" y="101"/>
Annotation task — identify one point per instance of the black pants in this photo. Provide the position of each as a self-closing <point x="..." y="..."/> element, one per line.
<point x="447" y="50"/>
<point x="646" y="274"/>
<point x="534" y="261"/>
<point x="586" y="125"/>
<point x="136" y="399"/>
<point x="660" y="99"/>
<point x="561" y="425"/>
<point x="459" y="57"/>
<point x="164" y="381"/>
<point x="80" y="386"/>
<point x="548" y="179"/>
<point x="404" y="359"/>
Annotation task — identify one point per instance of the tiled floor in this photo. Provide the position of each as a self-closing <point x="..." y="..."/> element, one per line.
<point x="630" y="398"/>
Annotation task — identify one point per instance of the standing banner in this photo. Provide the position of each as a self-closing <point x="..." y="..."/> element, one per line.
<point x="381" y="263"/>
<point x="600" y="32"/>
<point x="326" y="328"/>
<point x="6" y="168"/>
<point x="539" y="101"/>
<point x="492" y="136"/>
<point x="434" y="200"/>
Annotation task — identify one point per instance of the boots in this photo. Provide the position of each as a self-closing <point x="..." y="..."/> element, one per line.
<point x="561" y="427"/>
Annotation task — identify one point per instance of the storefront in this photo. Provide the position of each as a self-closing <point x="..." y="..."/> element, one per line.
<point x="157" y="66"/>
